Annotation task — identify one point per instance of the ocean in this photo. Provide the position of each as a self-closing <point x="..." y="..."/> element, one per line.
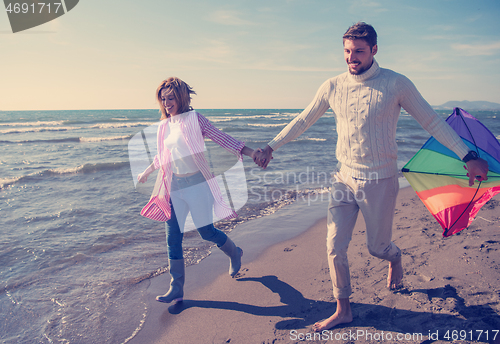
<point x="74" y="249"/>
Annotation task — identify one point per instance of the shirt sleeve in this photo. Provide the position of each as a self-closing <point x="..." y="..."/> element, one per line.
<point x="413" y="102"/>
<point x="156" y="162"/>
<point x="159" y="141"/>
<point x="159" y="145"/>
<point x="305" y="119"/>
<point x="221" y="138"/>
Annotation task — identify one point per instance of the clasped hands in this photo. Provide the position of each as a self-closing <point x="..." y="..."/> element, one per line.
<point x="262" y="157"/>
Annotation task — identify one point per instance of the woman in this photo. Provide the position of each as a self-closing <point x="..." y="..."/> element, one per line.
<point x="185" y="183"/>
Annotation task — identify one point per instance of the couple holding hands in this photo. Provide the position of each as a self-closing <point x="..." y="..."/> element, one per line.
<point x="366" y="101"/>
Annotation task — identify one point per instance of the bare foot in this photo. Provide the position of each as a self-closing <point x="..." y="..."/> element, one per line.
<point x="395" y="275"/>
<point x="342" y="315"/>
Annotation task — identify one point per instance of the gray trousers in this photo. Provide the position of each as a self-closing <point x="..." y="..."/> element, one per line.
<point x="377" y="201"/>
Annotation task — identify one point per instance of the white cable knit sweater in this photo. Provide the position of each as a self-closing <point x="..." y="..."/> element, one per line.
<point x="366" y="109"/>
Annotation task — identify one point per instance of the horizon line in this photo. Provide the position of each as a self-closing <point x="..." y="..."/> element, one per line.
<point x="263" y="108"/>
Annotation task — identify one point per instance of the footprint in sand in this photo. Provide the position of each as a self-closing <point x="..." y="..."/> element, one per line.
<point x="241" y="273"/>
<point x="424" y="278"/>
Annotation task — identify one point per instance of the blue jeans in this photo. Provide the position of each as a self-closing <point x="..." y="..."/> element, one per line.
<point x="191" y="194"/>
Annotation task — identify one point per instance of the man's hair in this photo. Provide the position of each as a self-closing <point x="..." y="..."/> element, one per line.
<point x="181" y="92"/>
<point x="362" y="30"/>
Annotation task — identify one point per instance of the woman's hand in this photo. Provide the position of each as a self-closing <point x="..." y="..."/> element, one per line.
<point x="142" y="177"/>
<point x="263" y="157"/>
<point x="255" y="155"/>
<point x="259" y="156"/>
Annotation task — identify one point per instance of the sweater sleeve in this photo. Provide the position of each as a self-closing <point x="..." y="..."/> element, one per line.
<point x="221" y="138"/>
<point x="305" y="119"/>
<point x="413" y="102"/>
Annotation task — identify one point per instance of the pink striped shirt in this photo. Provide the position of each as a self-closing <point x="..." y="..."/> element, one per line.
<point x="195" y="127"/>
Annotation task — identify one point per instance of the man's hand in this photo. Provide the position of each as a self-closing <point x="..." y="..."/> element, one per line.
<point x="478" y="169"/>
<point x="263" y="157"/>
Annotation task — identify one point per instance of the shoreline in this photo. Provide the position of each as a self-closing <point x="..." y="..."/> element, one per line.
<point x="279" y="294"/>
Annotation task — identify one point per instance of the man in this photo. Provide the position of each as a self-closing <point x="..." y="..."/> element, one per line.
<point x="366" y="102"/>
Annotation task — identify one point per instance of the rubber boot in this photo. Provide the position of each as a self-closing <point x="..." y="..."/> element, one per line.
<point x="176" y="291"/>
<point x="234" y="253"/>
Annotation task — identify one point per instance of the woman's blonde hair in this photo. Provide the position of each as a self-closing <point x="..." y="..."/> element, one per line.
<point x="181" y="92"/>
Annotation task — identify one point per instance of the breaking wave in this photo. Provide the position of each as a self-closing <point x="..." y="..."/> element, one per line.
<point x="86" y="168"/>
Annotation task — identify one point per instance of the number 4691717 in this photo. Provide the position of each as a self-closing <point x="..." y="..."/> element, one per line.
<point x="470" y="335"/>
<point x="25" y="8"/>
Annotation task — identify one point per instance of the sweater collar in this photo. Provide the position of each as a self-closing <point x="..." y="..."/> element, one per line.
<point x="370" y="73"/>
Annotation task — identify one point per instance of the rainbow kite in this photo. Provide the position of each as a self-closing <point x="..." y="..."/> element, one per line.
<point x="440" y="180"/>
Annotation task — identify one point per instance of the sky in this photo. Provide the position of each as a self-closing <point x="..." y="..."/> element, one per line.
<point x="256" y="54"/>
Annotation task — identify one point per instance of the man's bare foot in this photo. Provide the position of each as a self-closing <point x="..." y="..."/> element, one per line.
<point x="395" y="275"/>
<point x="342" y="315"/>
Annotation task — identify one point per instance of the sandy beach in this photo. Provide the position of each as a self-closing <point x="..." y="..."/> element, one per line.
<point x="451" y="286"/>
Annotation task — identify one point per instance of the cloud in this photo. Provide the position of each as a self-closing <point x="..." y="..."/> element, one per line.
<point x="437" y="28"/>
<point x="206" y="51"/>
<point x="216" y="50"/>
<point x="449" y="37"/>
<point x="473" y="18"/>
<point x="290" y="68"/>
<point x="367" y="5"/>
<point x="477" y="49"/>
<point x="227" y="17"/>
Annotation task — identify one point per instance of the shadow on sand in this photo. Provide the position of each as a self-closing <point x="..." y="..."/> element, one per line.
<point x="305" y="312"/>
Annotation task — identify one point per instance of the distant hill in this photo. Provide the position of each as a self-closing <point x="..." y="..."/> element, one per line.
<point x="467" y="105"/>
